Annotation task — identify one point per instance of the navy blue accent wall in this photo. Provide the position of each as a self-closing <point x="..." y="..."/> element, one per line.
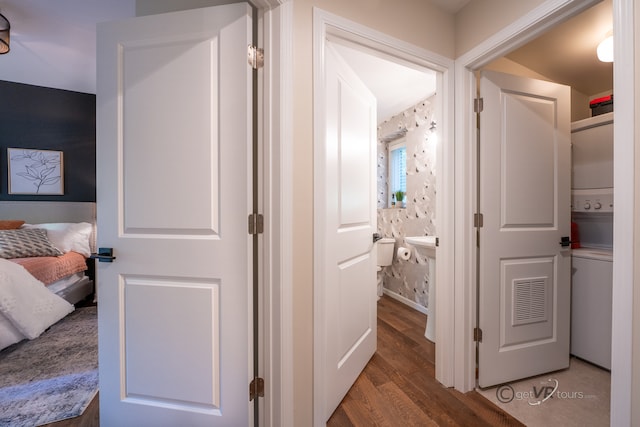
<point x="50" y="119"/>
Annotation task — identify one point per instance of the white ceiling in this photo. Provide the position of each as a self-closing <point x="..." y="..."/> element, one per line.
<point x="53" y="45"/>
<point x="53" y="42"/>
<point x="395" y="86"/>
<point x="567" y="53"/>
<point x="451" y="6"/>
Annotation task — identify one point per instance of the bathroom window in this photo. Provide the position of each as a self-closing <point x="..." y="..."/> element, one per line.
<point x="397" y="169"/>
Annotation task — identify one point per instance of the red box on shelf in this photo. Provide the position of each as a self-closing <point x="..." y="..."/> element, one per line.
<point x="601" y="105"/>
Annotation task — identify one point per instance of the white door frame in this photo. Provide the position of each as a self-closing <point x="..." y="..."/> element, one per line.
<point x="328" y="25"/>
<point x="275" y="124"/>
<point x="516" y="34"/>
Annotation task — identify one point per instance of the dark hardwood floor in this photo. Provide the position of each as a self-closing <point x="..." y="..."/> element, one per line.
<point x="398" y="386"/>
<point x="89" y="418"/>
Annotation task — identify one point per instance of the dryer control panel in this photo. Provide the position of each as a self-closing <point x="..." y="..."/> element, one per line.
<point x="592" y="200"/>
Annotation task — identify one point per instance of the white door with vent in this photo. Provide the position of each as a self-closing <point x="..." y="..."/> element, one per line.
<point x="174" y="153"/>
<point x="525" y="190"/>
<point x="348" y="224"/>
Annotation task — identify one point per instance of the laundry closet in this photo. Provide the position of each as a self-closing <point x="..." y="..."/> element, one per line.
<point x="592" y="238"/>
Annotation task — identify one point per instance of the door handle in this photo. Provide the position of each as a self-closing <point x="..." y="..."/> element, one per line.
<point x="376" y="237"/>
<point x="104" y="255"/>
<point x="565" y="241"/>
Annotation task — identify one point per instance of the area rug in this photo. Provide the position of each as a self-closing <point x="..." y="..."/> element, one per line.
<point x="53" y="377"/>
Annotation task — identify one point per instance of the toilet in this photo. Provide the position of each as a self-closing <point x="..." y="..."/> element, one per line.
<point x="384" y="253"/>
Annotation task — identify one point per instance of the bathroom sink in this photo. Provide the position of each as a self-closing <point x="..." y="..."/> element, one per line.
<point x="426" y="241"/>
<point x="427" y="244"/>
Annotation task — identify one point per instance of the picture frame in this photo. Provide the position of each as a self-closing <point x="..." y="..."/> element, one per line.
<point x="36" y="172"/>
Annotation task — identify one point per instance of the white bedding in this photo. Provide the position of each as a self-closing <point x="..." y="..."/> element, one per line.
<point x="27" y="307"/>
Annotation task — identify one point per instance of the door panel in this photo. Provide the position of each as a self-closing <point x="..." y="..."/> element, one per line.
<point x="350" y="262"/>
<point x="526" y="290"/>
<point x="524" y="286"/>
<point x="174" y="161"/>
<point x="528" y="148"/>
<point x="190" y="115"/>
<point x="192" y="338"/>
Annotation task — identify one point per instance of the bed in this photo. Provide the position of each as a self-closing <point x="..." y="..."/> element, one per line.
<point x="44" y="264"/>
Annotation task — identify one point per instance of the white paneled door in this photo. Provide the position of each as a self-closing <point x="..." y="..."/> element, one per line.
<point x="347" y="226"/>
<point x="525" y="271"/>
<point x="174" y="154"/>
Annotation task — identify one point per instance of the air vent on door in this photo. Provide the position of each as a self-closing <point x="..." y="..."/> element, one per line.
<point x="529" y="301"/>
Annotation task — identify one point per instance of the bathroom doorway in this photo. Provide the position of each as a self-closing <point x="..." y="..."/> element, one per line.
<point x="406" y="168"/>
<point x="350" y="41"/>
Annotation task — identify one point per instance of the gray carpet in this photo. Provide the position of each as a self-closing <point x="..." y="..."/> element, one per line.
<point x="53" y="377"/>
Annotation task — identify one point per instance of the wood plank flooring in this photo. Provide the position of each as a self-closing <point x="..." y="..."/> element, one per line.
<point x="398" y="386"/>
<point x="89" y="418"/>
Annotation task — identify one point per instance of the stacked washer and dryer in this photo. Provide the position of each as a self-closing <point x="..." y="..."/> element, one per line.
<point x="592" y="217"/>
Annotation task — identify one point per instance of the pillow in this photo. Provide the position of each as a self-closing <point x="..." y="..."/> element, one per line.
<point x="24" y="243"/>
<point x="67" y="236"/>
<point x="10" y="224"/>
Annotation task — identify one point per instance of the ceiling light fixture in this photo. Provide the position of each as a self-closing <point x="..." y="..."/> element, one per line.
<point x="605" y="49"/>
<point x="4" y="34"/>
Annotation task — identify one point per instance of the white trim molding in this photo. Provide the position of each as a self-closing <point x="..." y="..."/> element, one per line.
<point x="265" y="5"/>
<point x="625" y="362"/>
<point x="406" y="301"/>
<point x="276" y="170"/>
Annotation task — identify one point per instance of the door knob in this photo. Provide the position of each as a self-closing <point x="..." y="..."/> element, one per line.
<point x="376" y="237"/>
<point x="565" y="241"/>
<point x="104" y="255"/>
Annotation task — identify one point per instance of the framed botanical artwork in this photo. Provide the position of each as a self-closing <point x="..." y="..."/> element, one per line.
<point x="35" y="171"/>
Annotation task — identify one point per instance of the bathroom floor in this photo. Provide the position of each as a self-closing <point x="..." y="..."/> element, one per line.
<point x="398" y="386"/>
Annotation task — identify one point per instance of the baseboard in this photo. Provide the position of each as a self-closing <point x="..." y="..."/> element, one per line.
<point x="406" y="301"/>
